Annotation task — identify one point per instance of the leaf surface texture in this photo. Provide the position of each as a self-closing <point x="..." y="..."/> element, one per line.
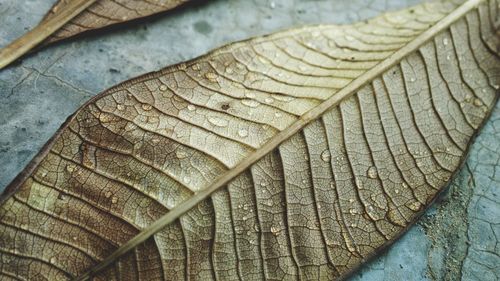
<point x="312" y="191"/>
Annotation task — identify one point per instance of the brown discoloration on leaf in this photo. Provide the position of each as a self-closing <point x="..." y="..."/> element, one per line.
<point x="280" y="157"/>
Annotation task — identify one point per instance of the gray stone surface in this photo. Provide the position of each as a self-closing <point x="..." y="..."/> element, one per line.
<point x="457" y="239"/>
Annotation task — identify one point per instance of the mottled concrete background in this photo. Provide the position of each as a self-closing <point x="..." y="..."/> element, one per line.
<point x="457" y="239"/>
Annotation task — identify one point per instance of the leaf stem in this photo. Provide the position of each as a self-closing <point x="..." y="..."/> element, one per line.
<point x="28" y="41"/>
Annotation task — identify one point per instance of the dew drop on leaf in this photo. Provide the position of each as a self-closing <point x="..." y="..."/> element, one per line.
<point x="326" y="155"/>
<point x="372" y="172"/>
<point x="243" y="133"/>
<point x="216" y="121"/>
<point x="250" y="103"/>
<point x="147" y="107"/>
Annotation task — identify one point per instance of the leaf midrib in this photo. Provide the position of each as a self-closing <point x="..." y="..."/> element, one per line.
<point x="282" y="136"/>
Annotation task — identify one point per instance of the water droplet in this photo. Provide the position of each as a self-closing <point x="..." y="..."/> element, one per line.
<point x="448" y="56"/>
<point x="477" y="102"/>
<point x="211" y="76"/>
<point x="263" y="60"/>
<point x="468" y="97"/>
<point x="114" y="200"/>
<point x="229" y="70"/>
<point x="147" y="107"/>
<point x="240" y="65"/>
<point x="70" y="168"/>
<point x="243" y="133"/>
<point x="153" y="119"/>
<point x="108" y="194"/>
<point x="351" y="200"/>
<point x="180" y="153"/>
<point x="275" y="231"/>
<point x="277" y="114"/>
<point x="250" y="103"/>
<point x="396" y="191"/>
<point x="163" y="88"/>
<point x="129" y="96"/>
<point x="445" y="41"/>
<point x="53" y="260"/>
<point x="250" y="95"/>
<point x="415" y="206"/>
<point x="44" y="174"/>
<point x="74" y="238"/>
<point x="216" y="121"/>
<point x="326" y="155"/>
<point x="372" y="172"/>
<point x="187" y="179"/>
<point x="359" y="183"/>
<point x="238" y="229"/>
<point x="269" y="100"/>
<point x="120" y="107"/>
<point x="496" y="86"/>
<point x="352" y="211"/>
<point x="412" y="79"/>
<point x="191" y="107"/>
<point x="272" y="5"/>
<point x="105" y="118"/>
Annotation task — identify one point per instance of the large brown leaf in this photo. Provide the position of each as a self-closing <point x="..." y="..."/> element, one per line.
<point x="298" y="155"/>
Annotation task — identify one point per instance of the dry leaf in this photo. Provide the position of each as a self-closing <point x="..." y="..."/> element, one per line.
<point x="107" y="12"/>
<point x="298" y="155"/>
<point x="71" y="17"/>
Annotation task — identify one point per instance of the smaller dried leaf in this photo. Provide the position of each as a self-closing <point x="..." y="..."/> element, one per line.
<point x="71" y="17"/>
